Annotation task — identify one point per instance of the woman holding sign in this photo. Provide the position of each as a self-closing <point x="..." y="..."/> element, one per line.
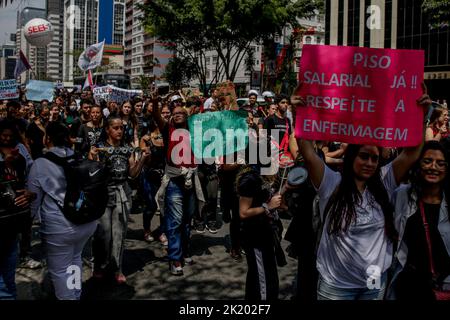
<point x="356" y="245"/>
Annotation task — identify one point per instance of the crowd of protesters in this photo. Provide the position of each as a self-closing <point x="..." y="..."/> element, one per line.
<point x="370" y="223"/>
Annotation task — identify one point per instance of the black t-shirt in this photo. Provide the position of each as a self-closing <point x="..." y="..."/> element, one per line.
<point x="416" y="242"/>
<point x="90" y="136"/>
<point x="12" y="178"/>
<point x="142" y="125"/>
<point x="116" y="162"/>
<point x="257" y="230"/>
<point x="128" y="132"/>
<point x="274" y="122"/>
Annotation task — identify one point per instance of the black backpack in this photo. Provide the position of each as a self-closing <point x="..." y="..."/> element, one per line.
<point x="86" y="194"/>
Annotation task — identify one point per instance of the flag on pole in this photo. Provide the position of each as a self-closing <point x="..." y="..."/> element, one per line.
<point x="22" y="65"/>
<point x="88" y="82"/>
<point x="91" y="57"/>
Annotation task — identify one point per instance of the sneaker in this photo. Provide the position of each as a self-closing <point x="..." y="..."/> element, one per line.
<point x="200" y="228"/>
<point x="163" y="240"/>
<point x="148" y="236"/>
<point x="188" y="261"/>
<point x="211" y="228"/>
<point x="29" y="263"/>
<point x="176" y="268"/>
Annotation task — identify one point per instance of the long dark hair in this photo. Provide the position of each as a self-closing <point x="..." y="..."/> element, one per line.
<point x="416" y="180"/>
<point x="341" y="206"/>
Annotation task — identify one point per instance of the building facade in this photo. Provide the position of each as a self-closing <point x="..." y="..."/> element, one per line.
<point x="7" y="61"/>
<point x="396" y="24"/>
<point x="111" y="15"/>
<point x="5" y="3"/>
<point x="55" y="15"/>
<point x="144" y="54"/>
<point x="79" y="34"/>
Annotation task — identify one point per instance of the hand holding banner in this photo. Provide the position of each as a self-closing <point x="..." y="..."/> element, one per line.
<point x="361" y="95"/>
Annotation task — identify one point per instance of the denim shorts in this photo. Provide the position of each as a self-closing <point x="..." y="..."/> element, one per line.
<point x="326" y="291"/>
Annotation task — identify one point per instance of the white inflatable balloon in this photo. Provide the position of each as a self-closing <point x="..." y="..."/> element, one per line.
<point x="38" y="32"/>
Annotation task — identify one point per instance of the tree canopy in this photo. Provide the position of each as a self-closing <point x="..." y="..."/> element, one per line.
<point x="438" y="12"/>
<point x="226" y="26"/>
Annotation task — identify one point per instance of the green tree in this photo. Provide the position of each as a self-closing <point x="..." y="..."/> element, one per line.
<point x="179" y="71"/>
<point x="227" y="26"/>
<point x="438" y="12"/>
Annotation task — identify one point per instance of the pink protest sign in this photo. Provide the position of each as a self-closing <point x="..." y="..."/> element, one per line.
<point x="361" y="95"/>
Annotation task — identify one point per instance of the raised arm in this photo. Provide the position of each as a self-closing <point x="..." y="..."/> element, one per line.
<point x="406" y="159"/>
<point x="156" y="113"/>
<point x="314" y="165"/>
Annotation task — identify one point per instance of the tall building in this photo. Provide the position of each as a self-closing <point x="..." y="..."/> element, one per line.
<point x="79" y="35"/>
<point x="144" y="54"/>
<point x="55" y="15"/>
<point x="37" y="56"/>
<point x="5" y="3"/>
<point x="94" y="21"/>
<point x="111" y="15"/>
<point x="7" y="61"/>
<point x="396" y="24"/>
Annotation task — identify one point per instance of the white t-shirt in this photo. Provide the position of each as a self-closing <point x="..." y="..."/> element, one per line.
<point x="347" y="260"/>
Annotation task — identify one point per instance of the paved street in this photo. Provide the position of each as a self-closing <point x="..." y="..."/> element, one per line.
<point x="213" y="276"/>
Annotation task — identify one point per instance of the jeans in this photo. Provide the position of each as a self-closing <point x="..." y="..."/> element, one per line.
<point x="326" y="291"/>
<point x="8" y="260"/>
<point x="179" y="210"/>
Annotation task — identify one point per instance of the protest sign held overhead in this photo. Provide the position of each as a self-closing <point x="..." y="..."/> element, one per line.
<point x="111" y="93"/>
<point x="361" y="95"/>
<point x="227" y="94"/>
<point x="39" y="90"/>
<point x="8" y="89"/>
<point x="215" y="134"/>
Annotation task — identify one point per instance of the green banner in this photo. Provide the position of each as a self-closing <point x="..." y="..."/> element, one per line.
<point x="216" y="134"/>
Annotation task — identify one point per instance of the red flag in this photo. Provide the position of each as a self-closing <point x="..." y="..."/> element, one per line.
<point x="88" y="82"/>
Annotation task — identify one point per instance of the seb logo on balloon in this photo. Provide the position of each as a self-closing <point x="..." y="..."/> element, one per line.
<point x="39" y="28"/>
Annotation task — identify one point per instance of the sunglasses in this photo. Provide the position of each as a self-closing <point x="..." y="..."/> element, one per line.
<point x="366" y="156"/>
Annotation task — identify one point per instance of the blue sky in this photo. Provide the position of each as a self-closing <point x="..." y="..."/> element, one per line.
<point x="8" y="17"/>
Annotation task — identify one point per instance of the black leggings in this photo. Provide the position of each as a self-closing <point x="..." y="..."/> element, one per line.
<point x="262" y="275"/>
